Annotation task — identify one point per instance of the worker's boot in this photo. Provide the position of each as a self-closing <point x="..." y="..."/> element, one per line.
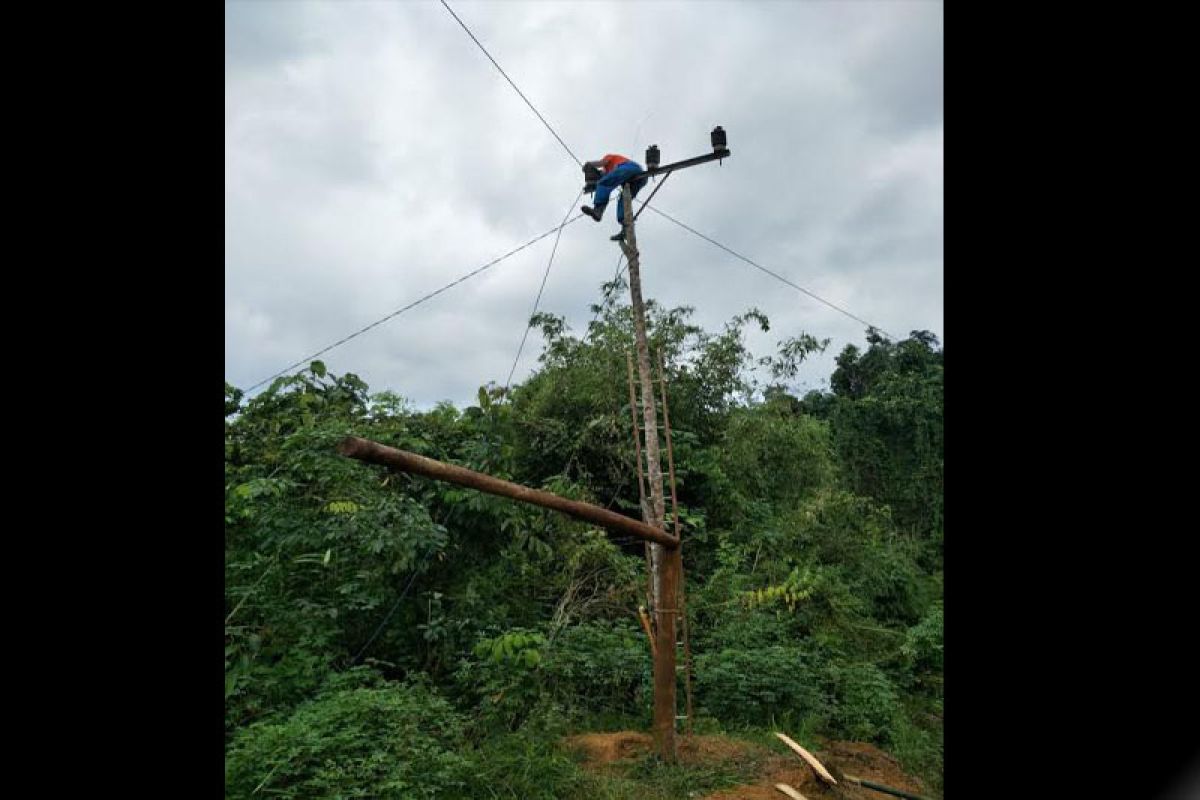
<point x="619" y="236"/>
<point x="595" y="213"/>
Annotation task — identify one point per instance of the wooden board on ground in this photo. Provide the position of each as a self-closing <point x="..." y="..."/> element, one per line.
<point x="790" y="792"/>
<point x="822" y="773"/>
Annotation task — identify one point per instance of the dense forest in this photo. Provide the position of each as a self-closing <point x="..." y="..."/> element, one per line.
<point x="391" y="636"/>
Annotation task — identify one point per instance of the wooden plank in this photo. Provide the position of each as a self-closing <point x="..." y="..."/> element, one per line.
<point x="822" y="773"/>
<point x="790" y="792"/>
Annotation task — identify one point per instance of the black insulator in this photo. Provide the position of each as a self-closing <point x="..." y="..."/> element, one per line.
<point x="591" y="176"/>
<point x="653" y="156"/>
<point x="718" y="138"/>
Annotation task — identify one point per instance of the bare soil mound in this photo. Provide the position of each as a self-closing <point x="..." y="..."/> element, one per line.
<point x="602" y="750"/>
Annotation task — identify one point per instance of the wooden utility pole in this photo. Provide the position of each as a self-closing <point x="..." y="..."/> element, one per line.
<point x="665" y="563"/>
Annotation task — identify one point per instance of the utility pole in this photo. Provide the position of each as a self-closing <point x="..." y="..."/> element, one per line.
<point x="665" y="564"/>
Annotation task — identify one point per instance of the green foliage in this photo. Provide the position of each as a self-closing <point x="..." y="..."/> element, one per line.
<point x="517" y="648"/>
<point x="695" y="779"/>
<point x="601" y="666"/>
<point x="758" y="686"/>
<point x="394" y="741"/>
<point x="768" y="453"/>
<point x="530" y="765"/>
<point x="920" y="749"/>
<point x="866" y="705"/>
<point x="923" y="644"/>
<point x="793" y="352"/>
<point x="505" y="678"/>
<point x="488" y="629"/>
<point x="887" y="420"/>
<point x="799" y="586"/>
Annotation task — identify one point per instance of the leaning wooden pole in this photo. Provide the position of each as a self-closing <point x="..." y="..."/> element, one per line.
<point x="375" y="453"/>
<point x="666" y="566"/>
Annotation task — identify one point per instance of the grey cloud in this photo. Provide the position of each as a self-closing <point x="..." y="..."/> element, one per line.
<point x="258" y="35"/>
<point x="903" y="75"/>
<point x="373" y="154"/>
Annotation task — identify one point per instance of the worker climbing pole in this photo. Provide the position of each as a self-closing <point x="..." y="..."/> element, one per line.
<point x="666" y="561"/>
<point x="666" y="564"/>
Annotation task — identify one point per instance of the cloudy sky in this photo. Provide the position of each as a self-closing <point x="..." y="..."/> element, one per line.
<point x="373" y="154"/>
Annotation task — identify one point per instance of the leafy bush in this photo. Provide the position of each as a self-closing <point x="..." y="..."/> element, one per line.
<point x="920" y="750"/>
<point x="530" y="765"/>
<point x="391" y="741"/>
<point x="776" y="455"/>
<point x="924" y="642"/>
<point x="600" y="666"/>
<point x="865" y="703"/>
<point x="503" y="679"/>
<point x="757" y="686"/>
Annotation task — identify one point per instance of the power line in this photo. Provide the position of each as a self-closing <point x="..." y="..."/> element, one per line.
<point x="646" y="204"/>
<point x="775" y="275"/>
<point x="610" y="287"/>
<point x="413" y="304"/>
<point x="395" y="605"/>
<point x="481" y="269"/>
<point x="510" y="83"/>
<point x="542" y="288"/>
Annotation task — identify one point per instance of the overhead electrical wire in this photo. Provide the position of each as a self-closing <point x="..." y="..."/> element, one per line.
<point x="538" y="300"/>
<point x="513" y="85"/>
<point x="415" y="303"/>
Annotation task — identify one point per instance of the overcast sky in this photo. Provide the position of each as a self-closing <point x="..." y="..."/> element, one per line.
<point x="373" y="154"/>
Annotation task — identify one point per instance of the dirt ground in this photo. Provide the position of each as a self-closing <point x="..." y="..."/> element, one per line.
<point x="840" y="758"/>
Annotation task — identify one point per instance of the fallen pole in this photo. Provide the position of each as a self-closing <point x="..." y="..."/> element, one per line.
<point x="375" y="453"/>
<point x="879" y="787"/>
